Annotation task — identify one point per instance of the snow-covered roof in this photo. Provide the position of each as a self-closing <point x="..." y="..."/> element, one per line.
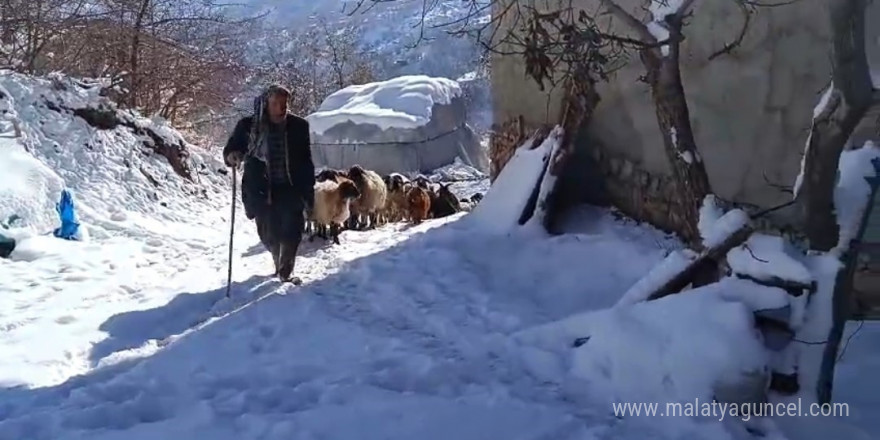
<point x="401" y="102"/>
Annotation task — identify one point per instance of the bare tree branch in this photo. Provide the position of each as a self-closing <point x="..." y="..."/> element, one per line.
<point x="747" y="17"/>
<point x="633" y="23"/>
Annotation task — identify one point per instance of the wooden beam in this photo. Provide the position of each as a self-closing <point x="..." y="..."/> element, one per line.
<point x="793" y="288"/>
<point x="710" y="255"/>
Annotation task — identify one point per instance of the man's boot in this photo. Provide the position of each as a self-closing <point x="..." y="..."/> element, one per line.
<point x="288" y="259"/>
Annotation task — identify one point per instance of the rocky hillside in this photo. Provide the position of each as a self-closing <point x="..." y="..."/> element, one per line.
<point x="391" y="31"/>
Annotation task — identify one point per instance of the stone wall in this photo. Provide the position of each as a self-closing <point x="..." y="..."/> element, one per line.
<point x="602" y="177"/>
<point x="503" y="142"/>
<point x="750" y="110"/>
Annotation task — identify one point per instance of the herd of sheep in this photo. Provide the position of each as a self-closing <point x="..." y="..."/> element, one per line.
<point x="359" y="199"/>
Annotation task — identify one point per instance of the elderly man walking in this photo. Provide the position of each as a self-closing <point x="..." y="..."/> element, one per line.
<point x="278" y="180"/>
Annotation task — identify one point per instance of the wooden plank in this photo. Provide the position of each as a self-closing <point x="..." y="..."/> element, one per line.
<point x="705" y="262"/>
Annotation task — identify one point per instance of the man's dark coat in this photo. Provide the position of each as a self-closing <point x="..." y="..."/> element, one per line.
<point x="298" y="192"/>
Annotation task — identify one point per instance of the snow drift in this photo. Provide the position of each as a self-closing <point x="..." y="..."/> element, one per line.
<point x="409" y="123"/>
<point x="697" y="344"/>
<point x="510" y="194"/>
<point x="28" y="189"/>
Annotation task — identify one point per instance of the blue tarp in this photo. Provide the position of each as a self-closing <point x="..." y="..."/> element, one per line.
<point x="69" y="229"/>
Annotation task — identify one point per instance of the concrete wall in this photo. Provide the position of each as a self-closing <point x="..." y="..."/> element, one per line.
<point x="750" y="110"/>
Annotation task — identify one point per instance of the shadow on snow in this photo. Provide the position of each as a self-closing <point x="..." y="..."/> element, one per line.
<point x="20" y="405"/>
<point x="132" y="329"/>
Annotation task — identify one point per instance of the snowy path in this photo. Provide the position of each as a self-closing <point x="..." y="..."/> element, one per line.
<point x="60" y="288"/>
<point x="383" y="341"/>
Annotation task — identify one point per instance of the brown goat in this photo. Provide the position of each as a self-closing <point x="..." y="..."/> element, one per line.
<point x="418" y="204"/>
<point x="395" y="202"/>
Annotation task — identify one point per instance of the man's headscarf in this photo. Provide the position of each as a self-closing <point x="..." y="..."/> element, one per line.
<point x="257" y="141"/>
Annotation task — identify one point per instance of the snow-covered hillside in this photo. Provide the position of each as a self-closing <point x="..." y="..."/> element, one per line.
<point x="118" y="164"/>
<point x="140" y="218"/>
<point x="390" y="31"/>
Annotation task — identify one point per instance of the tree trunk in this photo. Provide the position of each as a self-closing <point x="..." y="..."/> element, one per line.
<point x="7" y="32"/>
<point x="847" y="100"/>
<point x="663" y="75"/>
<point x="134" y="56"/>
<point x="673" y="119"/>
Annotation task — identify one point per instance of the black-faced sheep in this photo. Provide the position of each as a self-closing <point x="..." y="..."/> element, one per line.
<point x="399" y="178"/>
<point x="367" y="207"/>
<point x="422" y="182"/>
<point x="329" y="174"/>
<point x="333" y="206"/>
<point x="311" y="228"/>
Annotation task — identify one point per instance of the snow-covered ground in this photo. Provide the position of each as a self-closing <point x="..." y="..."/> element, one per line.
<point x="437" y="331"/>
<point x="406" y="324"/>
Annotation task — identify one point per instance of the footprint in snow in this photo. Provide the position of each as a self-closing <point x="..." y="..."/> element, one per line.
<point x="10" y="326"/>
<point x="64" y="320"/>
<point x="267" y="332"/>
<point x="76" y="277"/>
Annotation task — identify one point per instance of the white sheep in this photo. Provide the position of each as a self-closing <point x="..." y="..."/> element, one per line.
<point x="332" y="205"/>
<point x="372" y="199"/>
